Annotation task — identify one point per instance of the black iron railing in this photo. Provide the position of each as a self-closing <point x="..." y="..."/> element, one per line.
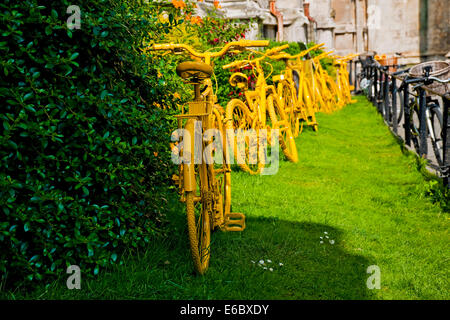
<point x="406" y="106"/>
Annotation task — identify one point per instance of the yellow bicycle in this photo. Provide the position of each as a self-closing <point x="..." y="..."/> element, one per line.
<point x="343" y="77"/>
<point x="205" y="187"/>
<point x="294" y="91"/>
<point x="260" y="109"/>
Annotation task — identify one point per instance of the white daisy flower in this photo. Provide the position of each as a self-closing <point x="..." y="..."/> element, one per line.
<point x="321" y="241"/>
<point x="332" y="241"/>
<point x="280" y="264"/>
<point x="270" y="269"/>
<point x="269" y="261"/>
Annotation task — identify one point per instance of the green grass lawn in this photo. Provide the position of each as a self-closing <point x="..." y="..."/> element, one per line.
<point x="352" y="181"/>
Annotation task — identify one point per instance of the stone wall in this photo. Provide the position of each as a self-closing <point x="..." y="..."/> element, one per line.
<point x="434" y="28"/>
<point x="294" y="20"/>
<point x="418" y="29"/>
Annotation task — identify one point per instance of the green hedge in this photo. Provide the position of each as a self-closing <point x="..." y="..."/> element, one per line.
<point x="84" y="159"/>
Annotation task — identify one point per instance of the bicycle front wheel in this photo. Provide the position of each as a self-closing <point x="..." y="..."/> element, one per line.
<point x="198" y="222"/>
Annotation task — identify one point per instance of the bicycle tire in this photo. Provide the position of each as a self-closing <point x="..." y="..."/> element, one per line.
<point x="199" y="227"/>
<point x="415" y="126"/>
<point x="238" y="116"/>
<point x="289" y="105"/>
<point x="436" y="115"/>
<point x="279" y="121"/>
<point x="399" y="107"/>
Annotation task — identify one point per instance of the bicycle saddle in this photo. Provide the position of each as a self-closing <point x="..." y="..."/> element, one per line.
<point x="194" y="70"/>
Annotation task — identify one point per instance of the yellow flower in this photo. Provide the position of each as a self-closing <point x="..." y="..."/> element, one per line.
<point x="176" y="95"/>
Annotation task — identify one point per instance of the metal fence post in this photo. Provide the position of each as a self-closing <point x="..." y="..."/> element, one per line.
<point x="375" y="84"/>
<point x="423" y="147"/>
<point x="379" y="89"/>
<point x="406" y="115"/>
<point x="446" y="142"/>
<point x="386" y="94"/>
<point x="394" y="104"/>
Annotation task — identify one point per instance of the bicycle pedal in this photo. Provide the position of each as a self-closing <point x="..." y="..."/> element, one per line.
<point x="234" y="221"/>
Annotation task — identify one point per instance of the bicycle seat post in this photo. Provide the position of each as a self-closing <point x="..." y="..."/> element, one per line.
<point x="197" y="92"/>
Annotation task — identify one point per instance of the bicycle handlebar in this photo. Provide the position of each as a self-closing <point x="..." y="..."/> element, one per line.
<point x="268" y="53"/>
<point x="228" y="46"/>
<point x="285" y="55"/>
<point x="425" y="79"/>
<point x="323" y="55"/>
<point x="305" y="52"/>
<point x="401" y="71"/>
<point x="276" y="50"/>
<point x="346" y="58"/>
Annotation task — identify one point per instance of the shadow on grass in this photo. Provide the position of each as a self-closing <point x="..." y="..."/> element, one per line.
<point x="310" y="269"/>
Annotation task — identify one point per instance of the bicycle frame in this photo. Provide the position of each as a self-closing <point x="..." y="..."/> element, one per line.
<point x="206" y="191"/>
<point x="257" y="99"/>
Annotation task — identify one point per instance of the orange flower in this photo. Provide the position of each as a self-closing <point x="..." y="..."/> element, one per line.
<point x="179" y="4"/>
<point x="217" y="4"/>
<point x="196" y="20"/>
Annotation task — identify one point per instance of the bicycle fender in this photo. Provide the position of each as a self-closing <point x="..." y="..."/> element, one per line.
<point x="189" y="168"/>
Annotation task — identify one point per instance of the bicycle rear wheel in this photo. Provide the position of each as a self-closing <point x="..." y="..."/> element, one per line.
<point x="436" y="128"/>
<point x="399" y="107"/>
<point x="239" y="118"/>
<point x="289" y="105"/>
<point x="280" y="122"/>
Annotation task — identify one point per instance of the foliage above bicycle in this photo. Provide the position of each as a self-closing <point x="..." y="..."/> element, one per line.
<point x="216" y="31"/>
<point x="84" y="154"/>
<point x="207" y="33"/>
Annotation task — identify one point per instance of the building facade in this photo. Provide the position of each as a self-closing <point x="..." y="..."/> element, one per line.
<point x="415" y="29"/>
